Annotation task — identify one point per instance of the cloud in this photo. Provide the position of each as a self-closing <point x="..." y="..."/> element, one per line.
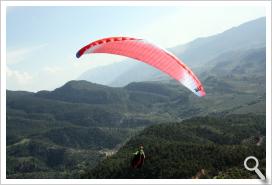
<point x="46" y="78"/>
<point x="18" y="79"/>
<point x="15" y="56"/>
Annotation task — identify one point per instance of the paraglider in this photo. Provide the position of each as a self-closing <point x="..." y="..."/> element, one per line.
<point x="150" y="54"/>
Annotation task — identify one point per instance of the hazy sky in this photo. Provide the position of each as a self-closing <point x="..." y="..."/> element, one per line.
<point x="42" y="41"/>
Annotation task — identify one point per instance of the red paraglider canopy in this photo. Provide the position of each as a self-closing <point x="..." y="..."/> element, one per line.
<point x="144" y="51"/>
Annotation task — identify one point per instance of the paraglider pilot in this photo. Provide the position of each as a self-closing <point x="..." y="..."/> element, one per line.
<point x="138" y="158"/>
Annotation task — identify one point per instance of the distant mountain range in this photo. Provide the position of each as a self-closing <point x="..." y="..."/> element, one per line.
<point x="196" y="54"/>
<point x="66" y="132"/>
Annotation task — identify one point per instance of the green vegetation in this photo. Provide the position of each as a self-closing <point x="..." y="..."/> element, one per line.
<point x="180" y="150"/>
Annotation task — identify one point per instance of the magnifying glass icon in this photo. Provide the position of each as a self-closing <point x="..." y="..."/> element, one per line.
<point x="255" y="168"/>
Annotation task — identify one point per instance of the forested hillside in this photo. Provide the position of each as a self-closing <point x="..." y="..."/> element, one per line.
<point x="214" y="146"/>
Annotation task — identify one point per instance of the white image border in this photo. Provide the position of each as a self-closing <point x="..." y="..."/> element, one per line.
<point x="5" y="4"/>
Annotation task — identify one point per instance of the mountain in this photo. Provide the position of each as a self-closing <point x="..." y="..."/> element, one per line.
<point x="196" y="54"/>
<point x="249" y="35"/>
<point x="110" y="72"/>
<point x="214" y="145"/>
